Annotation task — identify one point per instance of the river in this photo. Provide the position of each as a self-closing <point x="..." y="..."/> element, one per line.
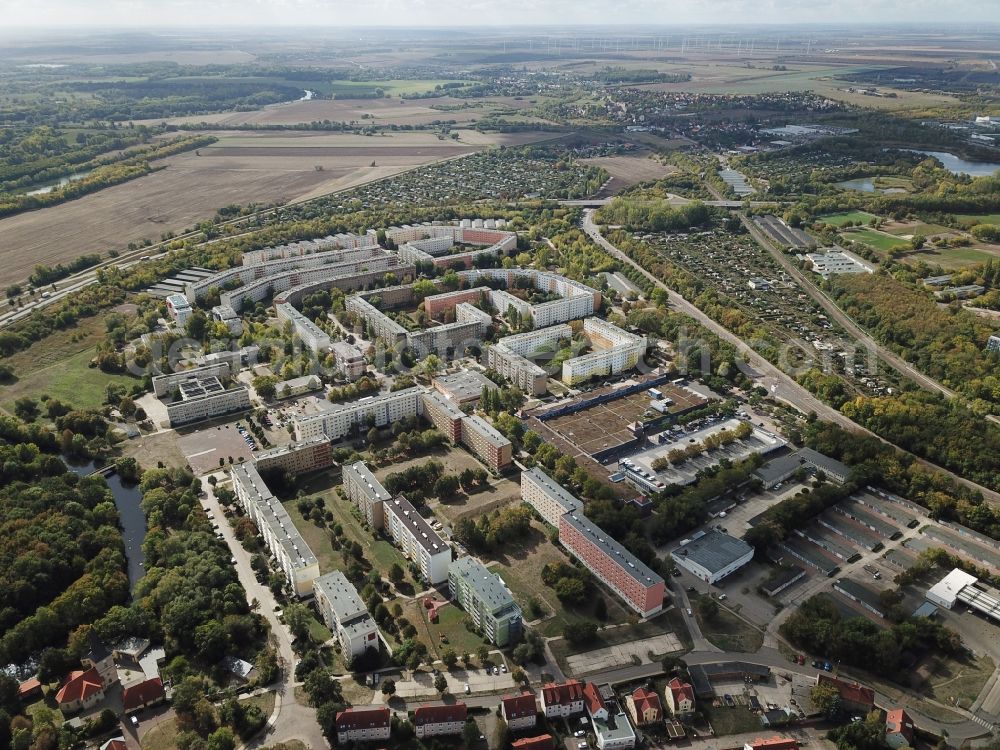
<point x="63" y="181"/>
<point x="131" y="517"/>
<point x="957" y="165"/>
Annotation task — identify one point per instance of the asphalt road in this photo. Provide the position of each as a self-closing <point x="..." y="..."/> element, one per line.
<point x="780" y="385"/>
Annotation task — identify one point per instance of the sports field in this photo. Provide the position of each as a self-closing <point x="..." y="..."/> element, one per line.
<point x="839" y="220"/>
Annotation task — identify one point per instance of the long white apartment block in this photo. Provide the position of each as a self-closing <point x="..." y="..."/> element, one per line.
<point x="313" y="337"/>
<point x="618" y="351"/>
<point x="244" y="275"/>
<point x="577" y="300"/>
<point x="345" y="614"/>
<point x="343" y="241"/>
<point x="509" y="356"/>
<point x="204" y="398"/>
<point x="347" y="275"/>
<point x="164" y="384"/>
<point x="281" y="538"/>
<point x="547" y="496"/>
<point x="336" y="421"/>
<point x="381" y="325"/>
<point x="418" y="541"/>
<point x="366" y="492"/>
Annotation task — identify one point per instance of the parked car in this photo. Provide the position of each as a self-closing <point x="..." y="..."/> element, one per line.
<point x="827" y="666"/>
<point x="579" y="733"/>
<point x="467" y="689"/>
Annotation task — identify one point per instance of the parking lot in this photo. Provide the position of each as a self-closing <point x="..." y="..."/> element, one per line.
<point x="205" y="446"/>
<point x="685" y="472"/>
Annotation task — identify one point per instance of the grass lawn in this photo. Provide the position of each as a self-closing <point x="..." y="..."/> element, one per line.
<point x="380" y="553"/>
<point x="265" y="701"/>
<point x="728" y="631"/>
<point x="58" y="365"/>
<point x="970" y="220"/>
<point x="161" y="737"/>
<point x="730" y="719"/>
<point x="838" y="220"/>
<point x="959" y="680"/>
<point x="878" y="240"/>
<point x="953" y="257"/>
<point x="668" y="621"/>
<point x="926" y="230"/>
<point x="451" y="626"/>
<point x="520" y="567"/>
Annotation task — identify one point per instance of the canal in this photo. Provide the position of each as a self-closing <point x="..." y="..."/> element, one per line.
<point x="131" y="518"/>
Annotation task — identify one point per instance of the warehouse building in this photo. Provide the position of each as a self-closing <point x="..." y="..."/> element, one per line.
<point x="712" y="555"/>
<point x="486" y="599"/>
<point x="345" y="615"/>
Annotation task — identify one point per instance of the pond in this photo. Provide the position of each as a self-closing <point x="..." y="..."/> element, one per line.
<point x="867" y="185"/>
<point x="62" y="182"/>
<point x="132" y="519"/>
<point x="957" y="165"/>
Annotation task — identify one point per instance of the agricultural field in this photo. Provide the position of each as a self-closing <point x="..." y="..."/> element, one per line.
<point x="970" y="220"/>
<point x="628" y="170"/>
<point x="261" y="168"/>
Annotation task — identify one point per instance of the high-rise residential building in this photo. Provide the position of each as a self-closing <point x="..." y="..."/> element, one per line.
<point x="345" y="614"/>
<point x="418" y="541"/>
<point x="281" y="538"/>
<point x="366" y="492"/>
<point x="547" y="496"/>
<point x="298" y="457"/>
<point x="485" y="441"/>
<point x="486" y="599"/>
<point x="621" y="571"/>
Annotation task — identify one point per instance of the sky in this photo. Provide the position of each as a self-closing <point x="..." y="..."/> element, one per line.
<point x="313" y="13"/>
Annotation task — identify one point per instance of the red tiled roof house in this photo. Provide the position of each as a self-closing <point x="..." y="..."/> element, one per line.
<point x="680" y="697"/>
<point x="363" y="724"/>
<point x="898" y="729"/>
<point x="434" y="721"/>
<point x="562" y="699"/>
<point x="772" y="743"/>
<point x="596" y="707"/>
<point x="644" y="707"/>
<point x="80" y="691"/>
<point x="519" y="711"/>
<point x="142" y="694"/>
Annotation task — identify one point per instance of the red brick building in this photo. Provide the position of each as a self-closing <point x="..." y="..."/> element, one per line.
<point x="616" y="567"/>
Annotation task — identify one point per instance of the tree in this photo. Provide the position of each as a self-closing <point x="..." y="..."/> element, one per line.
<point x="221" y="739"/>
<point x="441" y="684"/>
<point x="580" y="632"/>
<point x="450" y="658"/>
<point x="265" y="385"/>
<point x="571" y="590"/>
<point x="396" y="573"/>
<point x="826" y="700"/>
<point x="388" y="687"/>
<point x="708" y="608"/>
<point x="446" y="486"/>
<point x="197" y="325"/>
<point x="470" y="732"/>
<point x="483" y="654"/>
<point x="26" y="409"/>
